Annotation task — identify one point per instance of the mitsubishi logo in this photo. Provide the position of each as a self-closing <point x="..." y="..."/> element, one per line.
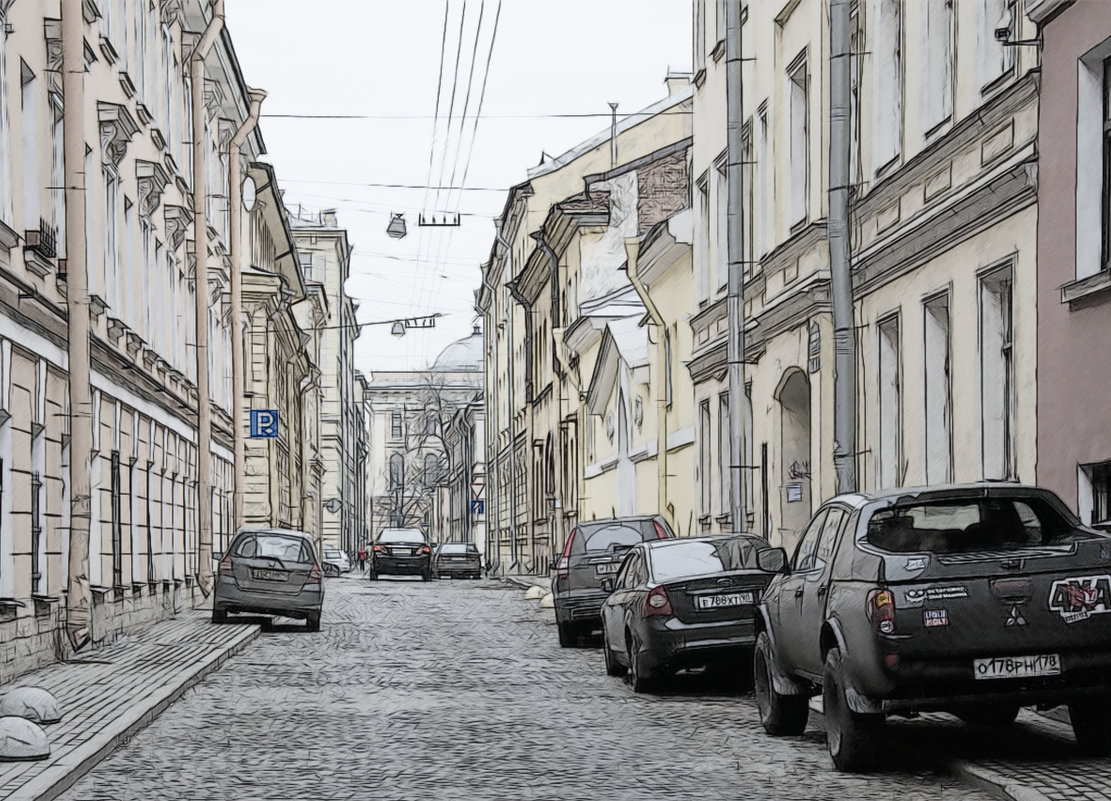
<point x="1016" y="618"/>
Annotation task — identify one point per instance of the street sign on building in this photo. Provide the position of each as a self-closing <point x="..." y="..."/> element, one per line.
<point x="264" y="423"/>
<point x="478" y="507"/>
<point x="478" y="490"/>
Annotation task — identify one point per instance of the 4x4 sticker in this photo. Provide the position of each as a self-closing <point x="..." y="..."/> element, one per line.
<point x="1080" y="597"/>
<point x="918" y="597"/>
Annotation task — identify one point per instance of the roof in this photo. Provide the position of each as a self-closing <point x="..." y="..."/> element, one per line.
<point x="462" y="356"/>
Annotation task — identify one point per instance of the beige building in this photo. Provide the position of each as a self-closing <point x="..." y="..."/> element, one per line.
<point x="325" y="255"/>
<point x="943" y="231"/>
<point x="560" y="249"/>
<point x="424" y="445"/>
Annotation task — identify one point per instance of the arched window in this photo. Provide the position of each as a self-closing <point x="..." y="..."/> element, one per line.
<point x="397" y="471"/>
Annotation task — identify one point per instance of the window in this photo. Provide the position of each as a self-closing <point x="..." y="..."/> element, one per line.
<point x="680" y="559"/>
<point x="668" y="374"/>
<point x="702" y="250"/>
<point x="993" y="58"/>
<point x="306" y="265"/>
<point x="937" y="95"/>
<point x="764" y="196"/>
<point x="806" y="553"/>
<point x="395" y="426"/>
<point x="1101" y="492"/>
<point x="1106" y="205"/>
<point x="431" y="469"/>
<point x="5" y="136"/>
<point x="719" y="273"/>
<point x="397" y="471"/>
<point x="747" y="198"/>
<point x="830" y="528"/>
<point x="997" y="375"/>
<point x="725" y="487"/>
<point x="704" y="453"/>
<point x="890" y="403"/>
<point x="699" y="35"/>
<point x="887" y="82"/>
<point x="31" y="181"/>
<point x="938" y="395"/>
<point x="798" y="142"/>
<point x="276" y="546"/>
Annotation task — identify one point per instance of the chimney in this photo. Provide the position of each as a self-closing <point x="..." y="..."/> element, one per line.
<point x="329" y="217"/>
<point x="677" y="82"/>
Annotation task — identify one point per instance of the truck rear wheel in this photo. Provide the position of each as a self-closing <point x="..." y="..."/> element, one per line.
<point x="852" y="737"/>
<point x="1092" y="725"/>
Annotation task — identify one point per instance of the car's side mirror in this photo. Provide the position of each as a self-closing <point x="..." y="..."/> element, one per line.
<point x="607" y="583"/>
<point x="772" y="560"/>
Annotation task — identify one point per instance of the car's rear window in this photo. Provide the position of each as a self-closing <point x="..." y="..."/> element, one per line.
<point x="680" y="559"/>
<point x="605" y="536"/>
<point x="457" y="549"/>
<point x="329" y="552"/>
<point x="274" y="546"/>
<point x="968" y="525"/>
<point x="401" y="535"/>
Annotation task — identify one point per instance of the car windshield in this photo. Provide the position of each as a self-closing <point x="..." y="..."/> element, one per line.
<point x="458" y="549"/>
<point x="604" y="536"/>
<point x="275" y="546"/>
<point x="969" y="525"/>
<point x="680" y="559"/>
<point x="401" y="535"/>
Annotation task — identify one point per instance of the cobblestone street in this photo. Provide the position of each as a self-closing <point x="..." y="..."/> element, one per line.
<point x="459" y="690"/>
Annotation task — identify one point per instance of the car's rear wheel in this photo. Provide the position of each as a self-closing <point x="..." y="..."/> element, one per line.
<point x="1091" y="723"/>
<point x="994" y="715"/>
<point x="330" y="570"/>
<point x="613" y="667"/>
<point x="852" y="737"/>
<point x="312" y="622"/>
<point x="638" y="676"/>
<point x="780" y="715"/>
<point x="219" y="615"/>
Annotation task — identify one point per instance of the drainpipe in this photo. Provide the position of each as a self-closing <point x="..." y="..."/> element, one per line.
<point x="200" y="244"/>
<point x="632" y="268"/>
<point x="513" y="558"/>
<point x="490" y="398"/>
<point x="238" y="369"/>
<point x="557" y="323"/>
<point x="78" y="595"/>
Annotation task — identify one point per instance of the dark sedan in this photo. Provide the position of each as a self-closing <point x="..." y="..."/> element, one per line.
<point x="456" y="559"/>
<point x="684" y="603"/>
<point x="401" y="552"/>
<point x="594" y="550"/>
<point x="270" y="572"/>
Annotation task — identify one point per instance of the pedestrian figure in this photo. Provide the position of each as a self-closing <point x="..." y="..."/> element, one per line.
<point x="362" y="559"/>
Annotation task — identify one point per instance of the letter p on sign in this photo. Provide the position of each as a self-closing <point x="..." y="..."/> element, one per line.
<point x="264" y="423"/>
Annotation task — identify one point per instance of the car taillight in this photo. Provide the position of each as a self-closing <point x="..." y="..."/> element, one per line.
<point x="426" y="549"/>
<point x="377" y="548"/>
<point x="225" y="566"/>
<point x="660" y="533"/>
<point x="562" y="570"/>
<point x="657" y="603"/>
<point x="316" y="574"/>
<point x="881" y="611"/>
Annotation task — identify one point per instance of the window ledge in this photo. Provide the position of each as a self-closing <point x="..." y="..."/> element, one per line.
<point x="700" y="77"/>
<point x="719" y="50"/>
<point x="8" y="238"/>
<point x="1086" y="288"/>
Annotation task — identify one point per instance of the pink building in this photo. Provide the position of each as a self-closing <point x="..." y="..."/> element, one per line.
<point x="1074" y="254"/>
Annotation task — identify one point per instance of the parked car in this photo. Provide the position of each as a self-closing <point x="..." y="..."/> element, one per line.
<point x="401" y="552"/>
<point x="335" y="561"/>
<point x="593" y="550"/>
<point x="456" y="559"/>
<point x="270" y="572"/>
<point x="684" y="603"/>
<point x="974" y="599"/>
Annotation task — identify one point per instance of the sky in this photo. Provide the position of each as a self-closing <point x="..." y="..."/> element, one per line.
<point x="381" y="59"/>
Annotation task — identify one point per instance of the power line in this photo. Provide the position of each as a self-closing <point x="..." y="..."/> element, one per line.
<point x="401" y="117"/>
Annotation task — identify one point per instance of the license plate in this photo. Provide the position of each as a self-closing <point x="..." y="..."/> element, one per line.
<point x="269" y="575"/>
<point x="1017" y="667"/>
<point x="725" y="599"/>
<point x="606" y="569"/>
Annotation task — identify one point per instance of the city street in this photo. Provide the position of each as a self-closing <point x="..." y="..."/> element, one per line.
<point x="459" y="690"/>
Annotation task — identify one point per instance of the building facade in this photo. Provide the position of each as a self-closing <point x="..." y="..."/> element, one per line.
<point x="1074" y="443"/>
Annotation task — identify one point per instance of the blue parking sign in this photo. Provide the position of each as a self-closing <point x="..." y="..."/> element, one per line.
<point x="264" y="423"/>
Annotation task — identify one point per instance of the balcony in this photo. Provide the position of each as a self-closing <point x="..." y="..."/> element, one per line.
<point x="40" y="248"/>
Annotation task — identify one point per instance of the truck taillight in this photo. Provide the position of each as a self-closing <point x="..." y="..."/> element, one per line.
<point x="657" y="603"/>
<point x="881" y="610"/>
<point x="562" y="568"/>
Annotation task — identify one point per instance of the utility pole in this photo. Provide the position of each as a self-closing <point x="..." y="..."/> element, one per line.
<point x="78" y="595"/>
<point x="200" y="244"/>
<point x="613" y="135"/>
<point x="734" y="89"/>
<point x="840" y="257"/>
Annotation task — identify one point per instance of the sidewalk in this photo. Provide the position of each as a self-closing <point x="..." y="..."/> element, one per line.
<point x="524" y="582"/>
<point x="109" y="694"/>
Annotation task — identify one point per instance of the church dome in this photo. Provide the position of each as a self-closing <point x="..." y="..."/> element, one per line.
<point x="463" y="356"/>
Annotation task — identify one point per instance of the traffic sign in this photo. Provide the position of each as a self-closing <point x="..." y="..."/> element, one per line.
<point x="478" y="507"/>
<point x="264" y="423"/>
<point x="478" y="490"/>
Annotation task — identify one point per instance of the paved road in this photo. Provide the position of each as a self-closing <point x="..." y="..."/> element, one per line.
<point x="446" y="690"/>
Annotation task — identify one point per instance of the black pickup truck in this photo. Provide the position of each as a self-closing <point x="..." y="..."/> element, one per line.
<point x="973" y="599"/>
